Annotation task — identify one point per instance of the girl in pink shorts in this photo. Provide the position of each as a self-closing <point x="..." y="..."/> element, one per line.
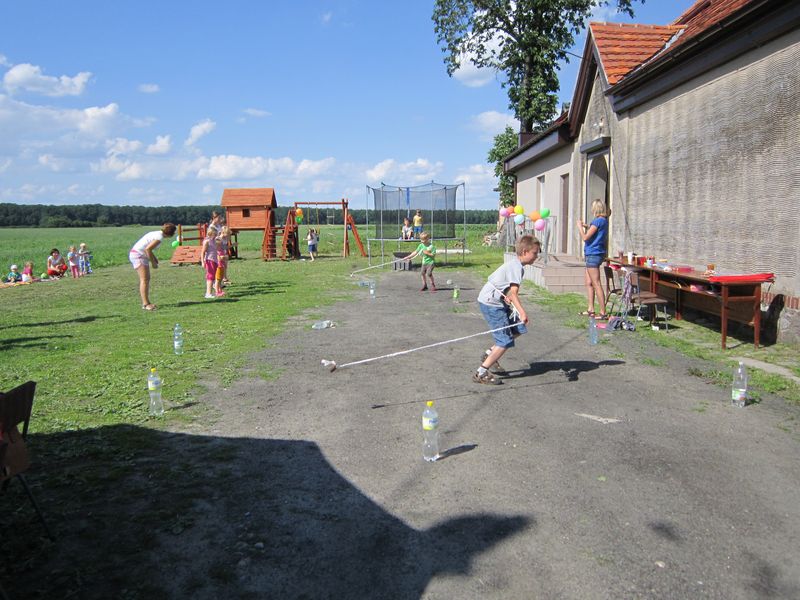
<point x="210" y="257"/>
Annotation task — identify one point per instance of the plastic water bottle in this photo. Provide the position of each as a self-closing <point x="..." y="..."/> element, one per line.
<point x="739" y="389"/>
<point x="430" y="433"/>
<point x="592" y="331"/>
<point x="322" y="325"/>
<point x="177" y="339"/>
<point x="372" y="290"/>
<point x="456" y="292"/>
<point x="154" y="387"/>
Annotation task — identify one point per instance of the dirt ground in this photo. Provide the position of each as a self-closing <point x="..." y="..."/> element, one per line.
<point x="602" y="471"/>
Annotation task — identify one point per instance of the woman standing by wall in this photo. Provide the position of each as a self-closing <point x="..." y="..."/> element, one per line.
<point x="595" y="238"/>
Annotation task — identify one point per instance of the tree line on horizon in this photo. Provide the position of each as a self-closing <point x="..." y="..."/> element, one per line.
<point x="101" y="215"/>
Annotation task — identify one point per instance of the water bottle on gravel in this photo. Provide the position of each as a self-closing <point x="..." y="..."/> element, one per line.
<point x="430" y="433"/>
<point x="154" y="387"/>
<point x="739" y="388"/>
<point x="592" y="331"/>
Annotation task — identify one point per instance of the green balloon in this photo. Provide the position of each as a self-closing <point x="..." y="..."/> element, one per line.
<point x="545" y="212"/>
<point x="299" y="219"/>
<point x="176" y="243"/>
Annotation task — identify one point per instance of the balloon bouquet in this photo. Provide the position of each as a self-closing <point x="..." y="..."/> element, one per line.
<point x="298" y="214"/>
<point x="518" y="214"/>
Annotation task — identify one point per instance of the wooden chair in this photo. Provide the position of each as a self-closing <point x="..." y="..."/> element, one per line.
<point x="15" y="408"/>
<point x="649" y="299"/>
<point x="613" y="292"/>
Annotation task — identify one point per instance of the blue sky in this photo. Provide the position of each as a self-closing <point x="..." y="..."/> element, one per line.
<point x="167" y="103"/>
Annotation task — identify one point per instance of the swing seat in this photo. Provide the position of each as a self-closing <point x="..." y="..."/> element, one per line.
<point x="402" y="265"/>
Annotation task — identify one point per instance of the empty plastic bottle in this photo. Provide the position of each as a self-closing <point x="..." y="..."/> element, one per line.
<point x="372" y="290"/>
<point x="323" y="325"/>
<point x="456" y="292"/>
<point x="430" y="433"/>
<point x="592" y="331"/>
<point x="154" y="387"/>
<point x="177" y="339"/>
<point x="739" y="388"/>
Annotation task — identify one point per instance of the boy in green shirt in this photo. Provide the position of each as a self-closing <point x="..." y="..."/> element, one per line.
<point x="428" y="251"/>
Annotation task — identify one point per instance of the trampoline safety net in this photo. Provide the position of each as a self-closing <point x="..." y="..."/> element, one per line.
<point x="390" y="204"/>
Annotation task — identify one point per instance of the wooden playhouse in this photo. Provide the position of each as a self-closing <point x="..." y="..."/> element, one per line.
<point x="253" y="209"/>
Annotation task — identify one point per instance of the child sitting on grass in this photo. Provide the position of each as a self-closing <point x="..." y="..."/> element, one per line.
<point x="14" y="276"/>
<point x="501" y="307"/>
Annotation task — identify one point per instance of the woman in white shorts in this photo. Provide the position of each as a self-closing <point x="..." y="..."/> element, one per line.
<point x="142" y="257"/>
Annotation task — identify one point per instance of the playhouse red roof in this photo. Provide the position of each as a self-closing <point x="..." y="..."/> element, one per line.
<point x="249" y="197"/>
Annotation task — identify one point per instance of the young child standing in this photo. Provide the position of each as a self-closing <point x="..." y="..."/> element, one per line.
<point x="74" y="262"/>
<point x="312" y="240"/>
<point x="501" y="307"/>
<point x="223" y="243"/>
<point x="418" y="224"/>
<point x="210" y="256"/>
<point x="84" y="259"/>
<point x="427" y="250"/>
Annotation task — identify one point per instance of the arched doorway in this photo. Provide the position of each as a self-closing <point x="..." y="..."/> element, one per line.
<point x="597" y="183"/>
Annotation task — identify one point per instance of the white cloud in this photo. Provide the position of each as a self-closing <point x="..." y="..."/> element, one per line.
<point x="471" y="76"/>
<point x="326" y="18"/>
<point x="148" y="88"/>
<point x="4" y="164"/>
<point x="256" y="112"/>
<point x="4" y="61"/>
<point x="51" y="162"/>
<point x="603" y="12"/>
<point x="322" y="186"/>
<point x="419" y="171"/>
<point x="312" y="168"/>
<point x="477" y="176"/>
<point x="162" y="145"/>
<point x="489" y="123"/>
<point x="208" y="188"/>
<point x="27" y="77"/>
<point x="232" y="166"/>
<point x="199" y="130"/>
<point x="122" y="146"/>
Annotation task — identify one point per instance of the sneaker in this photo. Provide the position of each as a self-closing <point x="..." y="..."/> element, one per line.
<point x="494" y="368"/>
<point x="209" y="296"/>
<point x="486" y="378"/>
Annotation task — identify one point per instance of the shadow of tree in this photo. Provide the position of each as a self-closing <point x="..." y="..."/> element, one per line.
<point x="175" y="515"/>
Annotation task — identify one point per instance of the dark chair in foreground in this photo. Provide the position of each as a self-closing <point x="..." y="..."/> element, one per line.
<point x="613" y="291"/>
<point x="15" y="408"/>
<point x="649" y="299"/>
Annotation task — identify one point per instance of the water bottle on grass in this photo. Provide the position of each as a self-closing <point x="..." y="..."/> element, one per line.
<point x="154" y="387"/>
<point x="739" y="389"/>
<point x="177" y="339"/>
<point x="430" y="433"/>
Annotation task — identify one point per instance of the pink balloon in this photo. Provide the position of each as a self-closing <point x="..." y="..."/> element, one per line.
<point x="539" y="225"/>
<point x="504" y="212"/>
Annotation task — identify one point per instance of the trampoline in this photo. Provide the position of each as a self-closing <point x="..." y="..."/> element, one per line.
<point x="443" y="208"/>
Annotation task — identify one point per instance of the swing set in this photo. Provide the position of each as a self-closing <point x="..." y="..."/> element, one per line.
<point x="349" y="222"/>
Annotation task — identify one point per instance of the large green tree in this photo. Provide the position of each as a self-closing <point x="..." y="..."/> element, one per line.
<point x="504" y="144"/>
<point x="522" y="39"/>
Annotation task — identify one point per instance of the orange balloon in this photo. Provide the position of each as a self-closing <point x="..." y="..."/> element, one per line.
<point x="535" y="216"/>
<point x="299" y="212"/>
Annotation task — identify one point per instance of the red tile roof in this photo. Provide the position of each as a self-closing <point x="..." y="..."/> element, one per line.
<point x="623" y="48"/>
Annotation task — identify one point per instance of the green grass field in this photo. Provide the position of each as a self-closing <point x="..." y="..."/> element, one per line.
<point x="89" y="345"/>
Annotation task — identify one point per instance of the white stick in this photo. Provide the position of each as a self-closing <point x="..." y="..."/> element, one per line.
<point x="376" y="266"/>
<point x="332" y="366"/>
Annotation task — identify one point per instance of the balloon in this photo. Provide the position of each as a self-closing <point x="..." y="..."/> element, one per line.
<point x="176" y="243"/>
<point x="535" y="216"/>
<point x="504" y="212"/>
<point x="519" y="219"/>
<point x="518" y="209"/>
<point x="539" y="225"/>
<point x="299" y="218"/>
<point x="299" y="212"/>
<point x="545" y="213"/>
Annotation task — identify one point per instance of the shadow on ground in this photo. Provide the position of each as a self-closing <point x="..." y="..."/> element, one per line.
<point x="139" y="513"/>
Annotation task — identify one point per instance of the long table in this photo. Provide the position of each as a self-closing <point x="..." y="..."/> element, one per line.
<point x="738" y="301"/>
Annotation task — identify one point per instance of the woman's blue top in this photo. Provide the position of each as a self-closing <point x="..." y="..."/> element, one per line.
<point x="597" y="243"/>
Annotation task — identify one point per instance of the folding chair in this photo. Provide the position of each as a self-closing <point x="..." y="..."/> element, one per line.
<point x="613" y="293"/>
<point x="649" y="299"/>
<point x="15" y="408"/>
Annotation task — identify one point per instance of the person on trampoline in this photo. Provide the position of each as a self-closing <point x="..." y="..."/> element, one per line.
<point x="407" y="232"/>
<point x="427" y="250"/>
<point x="418" y="224"/>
